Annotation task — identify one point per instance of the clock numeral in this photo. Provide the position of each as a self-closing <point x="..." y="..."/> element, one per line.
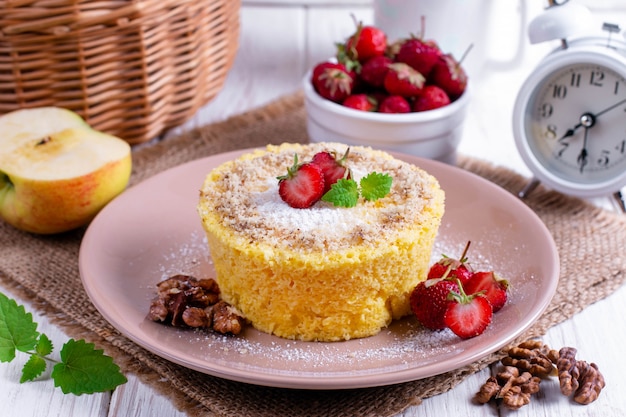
<point x="560" y="91"/>
<point x="616" y="89"/>
<point x="563" y="147"/>
<point x="546" y="110"/>
<point x="563" y="143"/>
<point x="596" y="78"/>
<point x="603" y="160"/>
<point x="550" y="132"/>
<point x="575" y="81"/>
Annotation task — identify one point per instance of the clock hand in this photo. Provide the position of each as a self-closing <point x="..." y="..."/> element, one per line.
<point x="610" y="107"/>
<point x="582" y="156"/>
<point x="570" y="132"/>
<point x="590" y="116"/>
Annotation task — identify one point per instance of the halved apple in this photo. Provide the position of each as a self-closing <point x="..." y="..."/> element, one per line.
<point x="56" y="172"/>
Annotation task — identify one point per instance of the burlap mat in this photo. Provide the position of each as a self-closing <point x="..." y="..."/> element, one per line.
<point x="45" y="270"/>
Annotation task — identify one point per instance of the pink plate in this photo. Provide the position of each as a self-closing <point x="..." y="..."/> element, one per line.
<point x="152" y="231"/>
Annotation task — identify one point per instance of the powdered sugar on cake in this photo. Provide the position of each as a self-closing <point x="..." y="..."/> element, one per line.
<point x="270" y="206"/>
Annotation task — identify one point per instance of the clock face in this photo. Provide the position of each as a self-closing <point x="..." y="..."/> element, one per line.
<point x="573" y="123"/>
<point x="576" y="121"/>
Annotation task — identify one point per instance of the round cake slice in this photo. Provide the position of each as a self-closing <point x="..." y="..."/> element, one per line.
<point x="322" y="273"/>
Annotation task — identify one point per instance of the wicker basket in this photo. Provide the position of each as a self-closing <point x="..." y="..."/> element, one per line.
<point x="131" y="68"/>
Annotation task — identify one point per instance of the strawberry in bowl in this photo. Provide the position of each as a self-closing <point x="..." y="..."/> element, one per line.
<point x="406" y="96"/>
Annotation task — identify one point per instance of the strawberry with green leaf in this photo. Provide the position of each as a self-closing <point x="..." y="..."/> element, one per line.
<point x="467" y="315"/>
<point x="455" y="268"/>
<point x="420" y="54"/>
<point x="333" y="168"/>
<point x="366" y="42"/>
<point x="333" y="81"/>
<point x="491" y="285"/>
<point x="429" y="301"/>
<point x="449" y="75"/>
<point x="402" y="80"/>
<point x="303" y="185"/>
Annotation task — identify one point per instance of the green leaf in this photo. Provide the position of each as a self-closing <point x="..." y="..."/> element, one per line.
<point x="375" y="186"/>
<point x="85" y="370"/>
<point x="33" y="368"/>
<point x="17" y="329"/>
<point x="343" y="193"/>
<point x="44" y="345"/>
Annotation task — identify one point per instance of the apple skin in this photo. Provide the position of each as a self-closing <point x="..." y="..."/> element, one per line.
<point x="74" y="181"/>
<point x="38" y="207"/>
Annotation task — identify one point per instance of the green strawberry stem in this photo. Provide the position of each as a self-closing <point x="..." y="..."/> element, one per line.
<point x="463" y="257"/>
<point x="460" y="61"/>
<point x="461" y="297"/>
<point x="291" y="171"/>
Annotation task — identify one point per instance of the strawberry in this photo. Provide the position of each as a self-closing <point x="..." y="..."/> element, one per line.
<point x="420" y="55"/>
<point x="432" y="97"/>
<point x="459" y="268"/>
<point x="374" y="70"/>
<point x="366" y="42"/>
<point x="402" y="80"/>
<point x="393" y="48"/>
<point x="378" y="96"/>
<point x="332" y="81"/>
<point x="467" y="315"/>
<point x="394" y="104"/>
<point x="450" y="76"/>
<point x="491" y="285"/>
<point x="361" y="102"/>
<point x="429" y="301"/>
<point x="333" y="169"/>
<point x="302" y="186"/>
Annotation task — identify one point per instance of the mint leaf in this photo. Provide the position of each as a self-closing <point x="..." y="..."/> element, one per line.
<point x="44" y="345"/>
<point x="85" y="370"/>
<point x="37" y="362"/>
<point x="375" y="186"/>
<point x="17" y="329"/>
<point x="33" y="368"/>
<point x="82" y="370"/>
<point x="343" y="193"/>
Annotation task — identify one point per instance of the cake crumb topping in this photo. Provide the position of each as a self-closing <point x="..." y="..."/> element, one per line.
<point x="244" y="195"/>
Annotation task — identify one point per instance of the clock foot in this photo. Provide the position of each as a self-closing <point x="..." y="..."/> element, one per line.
<point x="529" y="188"/>
<point x="619" y="197"/>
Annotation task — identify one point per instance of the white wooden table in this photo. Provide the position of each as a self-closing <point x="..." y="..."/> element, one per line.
<point x="280" y="40"/>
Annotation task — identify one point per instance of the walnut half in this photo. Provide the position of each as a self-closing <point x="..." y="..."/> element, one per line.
<point x="526" y="364"/>
<point x="532" y="356"/>
<point x="183" y="300"/>
<point x="582" y="379"/>
<point x="512" y="386"/>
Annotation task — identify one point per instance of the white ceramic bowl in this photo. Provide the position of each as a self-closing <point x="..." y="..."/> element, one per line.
<point x="433" y="134"/>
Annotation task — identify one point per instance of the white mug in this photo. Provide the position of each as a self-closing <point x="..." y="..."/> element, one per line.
<point x="457" y="25"/>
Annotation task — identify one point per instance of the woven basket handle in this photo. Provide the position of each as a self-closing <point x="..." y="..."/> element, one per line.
<point x="73" y="21"/>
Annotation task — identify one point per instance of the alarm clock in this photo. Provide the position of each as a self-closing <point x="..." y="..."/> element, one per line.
<point x="569" y="117"/>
